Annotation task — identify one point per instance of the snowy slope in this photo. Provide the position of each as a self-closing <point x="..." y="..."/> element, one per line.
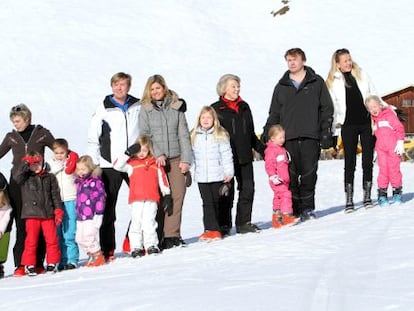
<point x="359" y="261"/>
<point x="58" y="57"/>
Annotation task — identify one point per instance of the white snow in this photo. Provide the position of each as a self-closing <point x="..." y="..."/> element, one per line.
<point x="58" y="57"/>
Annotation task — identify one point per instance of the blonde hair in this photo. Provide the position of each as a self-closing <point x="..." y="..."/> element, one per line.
<point x="22" y="111"/>
<point x="121" y="76"/>
<point x="356" y="70"/>
<point x="88" y="162"/>
<point x="144" y="140"/>
<point x="274" y="130"/>
<point x="4" y="198"/>
<point x="146" y="97"/>
<point x="219" y="133"/>
<point x="376" y="99"/>
<point x="222" y="83"/>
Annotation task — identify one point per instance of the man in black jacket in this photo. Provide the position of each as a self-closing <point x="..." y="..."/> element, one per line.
<point x="302" y="105"/>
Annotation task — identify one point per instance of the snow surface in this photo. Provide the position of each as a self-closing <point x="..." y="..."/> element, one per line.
<point x="58" y="57"/>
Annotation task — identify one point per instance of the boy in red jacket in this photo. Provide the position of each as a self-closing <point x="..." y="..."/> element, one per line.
<point x="41" y="209"/>
<point x="146" y="180"/>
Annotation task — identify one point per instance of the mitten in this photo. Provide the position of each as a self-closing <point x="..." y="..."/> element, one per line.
<point x="326" y="139"/>
<point x="97" y="221"/>
<point x="399" y="148"/>
<point x="224" y="189"/>
<point x="71" y="162"/>
<point x="58" y="216"/>
<point x="134" y="149"/>
<point x="188" y="179"/>
<point x="276" y="180"/>
<point x="167" y="204"/>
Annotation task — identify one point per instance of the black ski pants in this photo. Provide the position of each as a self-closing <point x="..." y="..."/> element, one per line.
<point x="243" y="173"/>
<point x="112" y="180"/>
<point x="304" y="153"/>
<point x="210" y="195"/>
<point x="351" y="134"/>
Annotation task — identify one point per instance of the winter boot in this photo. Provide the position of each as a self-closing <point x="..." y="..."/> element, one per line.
<point x="397" y="195"/>
<point x="137" y="252"/>
<point x="277" y="220"/>
<point x="367" y="185"/>
<point x="1" y="271"/>
<point x="349" y="197"/>
<point x="289" y="219"/>
<point x="96" y="259"/>
<point x="30" y="270"/>
<point x="382" y="197"/>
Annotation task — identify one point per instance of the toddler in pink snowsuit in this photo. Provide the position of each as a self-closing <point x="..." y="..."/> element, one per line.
<point x="277" y="167"/>
<point x="389" y="147"/>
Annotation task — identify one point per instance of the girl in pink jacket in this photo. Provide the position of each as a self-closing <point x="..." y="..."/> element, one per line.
<point x="389" y="147"/>
<point x="277" y="167"/>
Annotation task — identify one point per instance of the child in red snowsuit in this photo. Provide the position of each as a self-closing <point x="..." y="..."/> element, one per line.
<point x="147" y="180"/>
<point x="42" y="210"/>
<point x="277" y="167"/>
<point x="389" y="146"/>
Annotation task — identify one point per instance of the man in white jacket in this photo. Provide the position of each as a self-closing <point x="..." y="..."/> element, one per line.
<point x="114" y="127"/>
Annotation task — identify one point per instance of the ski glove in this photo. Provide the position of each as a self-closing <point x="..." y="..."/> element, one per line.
<point x="224" y="189"/>
<point x="167" y="204"/>
<point x="399" y="148"/>
<point x="276" y="180"/>
<point x="132" y="150"/>
<point x="58" y="216"/>
<point x="326" y="139"/>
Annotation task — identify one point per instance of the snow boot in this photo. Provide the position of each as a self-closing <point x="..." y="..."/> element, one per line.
<point x="289" y="219"/>
<point x="51" y="268"/>
<point x="397" y="195"/>
<point x="30" y="270"/>
<point x="382" y="197"/>
<point x="96" y="259"/>
<point x="1" y="271"/>
<point x="153" y="250"/>
<point x="349" y="197"/>
<point x="137" y="252"/>
<point x="367" y="186"/>
<point x="277" y="220"/>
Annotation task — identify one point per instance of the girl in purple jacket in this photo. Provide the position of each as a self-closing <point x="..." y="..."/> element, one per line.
<point x="389" y="147"/>
<point x="90" y="205"/>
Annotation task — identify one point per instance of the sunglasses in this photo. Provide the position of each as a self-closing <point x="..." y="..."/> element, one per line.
<point x="341" y="51"/>
<point x="17" y="108"/>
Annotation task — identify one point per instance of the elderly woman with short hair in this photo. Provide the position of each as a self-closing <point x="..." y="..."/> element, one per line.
<point x="236" y="117"/>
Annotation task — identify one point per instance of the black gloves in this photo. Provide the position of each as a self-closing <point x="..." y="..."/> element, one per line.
<point x="326" y="139"/>
<point x="132" y="150"/>
<point x="167" y="204"/>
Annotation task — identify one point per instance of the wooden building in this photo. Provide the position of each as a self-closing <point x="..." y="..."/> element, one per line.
<point x="403" y="99"/>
